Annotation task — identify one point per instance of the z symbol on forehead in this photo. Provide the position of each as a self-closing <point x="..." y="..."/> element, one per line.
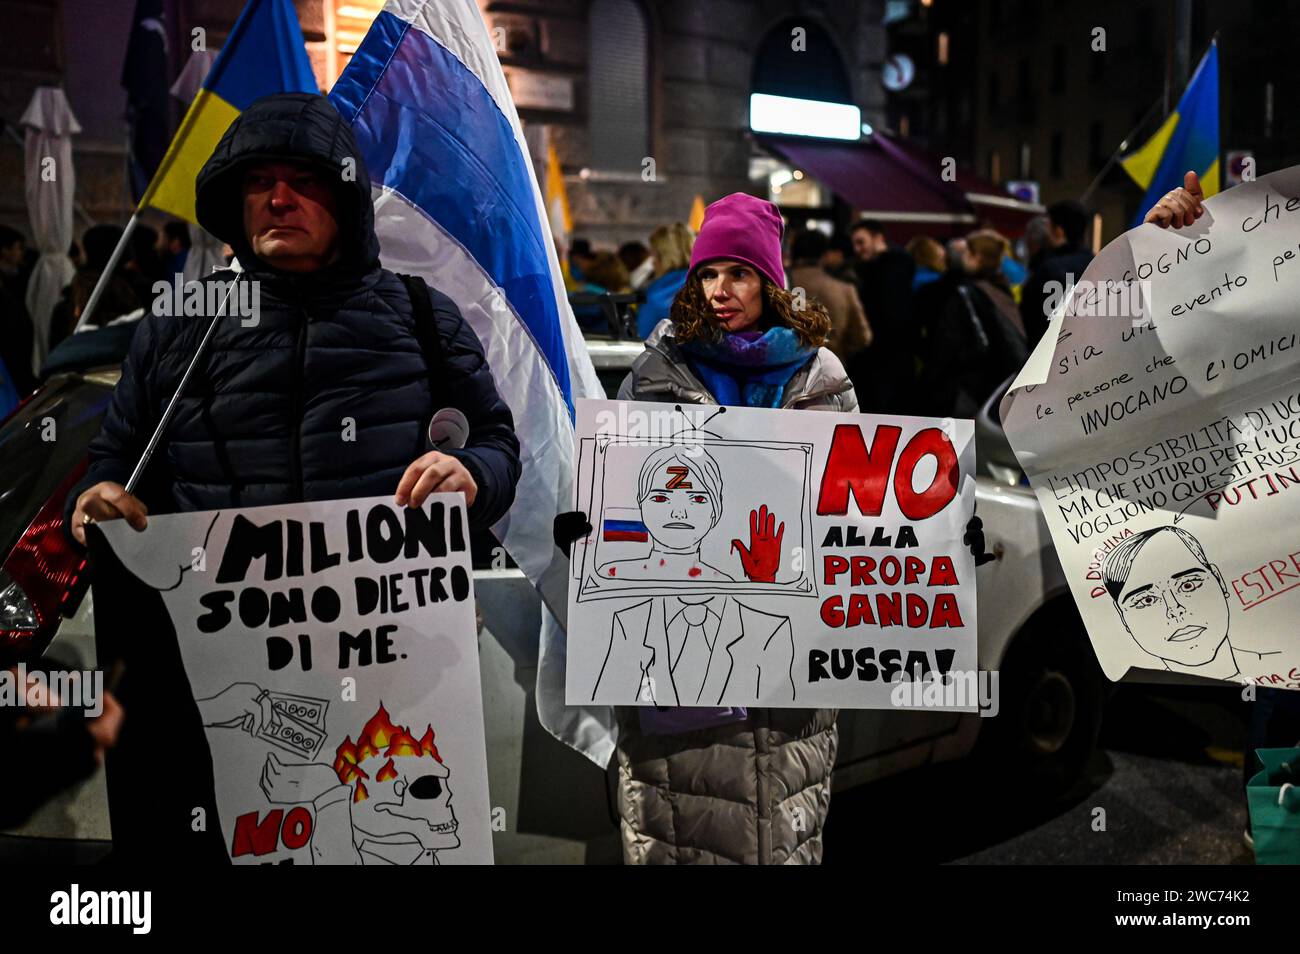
<point x="678" y="478"/>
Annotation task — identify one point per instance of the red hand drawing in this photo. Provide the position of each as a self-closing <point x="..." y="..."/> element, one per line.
<point x="763" y="556"/>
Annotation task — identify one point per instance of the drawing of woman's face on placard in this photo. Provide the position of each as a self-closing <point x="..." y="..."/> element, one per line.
<point x="680" y="497"/>
<point x="1169" y="596"/>
<point x="720" y="513"/>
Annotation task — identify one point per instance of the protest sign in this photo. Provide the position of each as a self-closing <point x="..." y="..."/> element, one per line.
<point x="745" y="556"/>
<point x="1159" y="424"/>
<point x="332" y="653"/>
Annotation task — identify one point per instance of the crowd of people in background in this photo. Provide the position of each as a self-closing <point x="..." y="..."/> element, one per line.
<point x="933" y="328"/>
<point x="105" y="336"/>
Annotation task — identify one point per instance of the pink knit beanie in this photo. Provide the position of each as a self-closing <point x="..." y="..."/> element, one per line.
<point x="745" y="228"/>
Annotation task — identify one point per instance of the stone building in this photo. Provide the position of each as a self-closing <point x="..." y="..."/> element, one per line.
<point x="1024" y="90"/>
<point x="645" y="101"/>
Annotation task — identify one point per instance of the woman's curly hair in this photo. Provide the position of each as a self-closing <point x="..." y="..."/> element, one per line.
<point x="693" y="316"/>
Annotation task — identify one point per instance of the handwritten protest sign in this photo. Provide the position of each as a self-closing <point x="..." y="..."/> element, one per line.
<point x="1159" y="424"/>
<point x="332" y="652"/>
<point x="747" y="557"/>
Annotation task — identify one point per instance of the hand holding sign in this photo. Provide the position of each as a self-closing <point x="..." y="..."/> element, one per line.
<point x="107" y="501"/>
<point x="435" y="473"/>
<point x="762" y="558"/>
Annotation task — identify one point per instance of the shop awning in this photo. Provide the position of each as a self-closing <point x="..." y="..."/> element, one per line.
<point x="896" y="181"/>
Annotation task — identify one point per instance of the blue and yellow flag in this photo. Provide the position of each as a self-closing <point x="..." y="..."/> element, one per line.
<point x="264" y="54"/>
<point x="1188" y="139"/>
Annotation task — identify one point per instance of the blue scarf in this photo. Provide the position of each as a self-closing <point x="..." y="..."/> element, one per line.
<point x="749" y="368"/>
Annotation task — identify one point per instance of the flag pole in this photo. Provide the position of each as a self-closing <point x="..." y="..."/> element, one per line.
<point x="1133" y="132"/>
<point x="158" y="431"/>
<point x="80" y="583"/>
<point x="107" y="273"/>
<point x="1114" y="156"/>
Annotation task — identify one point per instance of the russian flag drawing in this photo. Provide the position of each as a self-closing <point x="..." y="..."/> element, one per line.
<point x="631" y="530"/>
<point x="457" y="202"/>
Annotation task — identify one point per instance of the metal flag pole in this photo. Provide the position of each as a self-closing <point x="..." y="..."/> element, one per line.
<point x="158" y="431"/>
<point x="80" y="583"/>
<point x="1122" y="147"/>
<point x="107" y="273"/>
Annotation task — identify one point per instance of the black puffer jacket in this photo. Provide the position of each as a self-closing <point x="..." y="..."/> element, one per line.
<point x="334" y="355"/>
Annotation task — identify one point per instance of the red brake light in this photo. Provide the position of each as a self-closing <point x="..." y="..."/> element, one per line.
<point x="42" y="565"/>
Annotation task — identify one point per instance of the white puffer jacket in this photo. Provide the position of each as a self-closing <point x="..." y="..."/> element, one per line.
<point x="753" y="792"/>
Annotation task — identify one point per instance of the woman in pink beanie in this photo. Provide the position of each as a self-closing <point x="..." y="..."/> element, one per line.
<point x="745" y="786"/>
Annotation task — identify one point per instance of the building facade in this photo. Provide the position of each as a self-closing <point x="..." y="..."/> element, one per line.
<point x="645" y="101"/>
<point x="1048" y="93"/>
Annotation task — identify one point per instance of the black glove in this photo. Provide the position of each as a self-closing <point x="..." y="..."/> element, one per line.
<point x="570" y="527"/>
<point x="974" y="539"/>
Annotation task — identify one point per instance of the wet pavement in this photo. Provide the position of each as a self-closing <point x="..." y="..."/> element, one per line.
<point x="1163" y="787"/>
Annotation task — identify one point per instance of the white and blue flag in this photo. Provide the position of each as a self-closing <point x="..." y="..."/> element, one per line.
<point x="457" y="203"/>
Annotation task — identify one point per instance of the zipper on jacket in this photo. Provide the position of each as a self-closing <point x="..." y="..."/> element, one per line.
<point x="295" y="436"/>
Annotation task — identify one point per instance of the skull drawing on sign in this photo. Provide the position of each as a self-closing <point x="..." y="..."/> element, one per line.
<point x="401" y="787"/>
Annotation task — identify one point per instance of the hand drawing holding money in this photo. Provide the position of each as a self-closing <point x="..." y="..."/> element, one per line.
<point x="316" y="638"/>
<point x="277" y="717"/>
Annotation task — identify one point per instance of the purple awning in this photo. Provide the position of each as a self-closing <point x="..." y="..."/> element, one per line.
<point x="896" y="181"/>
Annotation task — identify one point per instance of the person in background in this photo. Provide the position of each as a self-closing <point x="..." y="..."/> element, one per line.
<point x="15" y="322"/>
<point x="1060" y="267"/>
<point x="120" y="295"/>
<point x="1037" y="241"/>
<point x="579" y="257"/>
<point x="708" y="785"/>
<point x="670" y="247"/>
<point x="1014" y="272"/>
<point x="885" y="274"/>
<point x="929" y="258"/>
<point x="850" y="332"/>
<point x="143" y="264"/>
<point x="928" y="304"/>
<point x="976" y="341"/>
<point x="591" y="318"/>
<point x="838" y="260"/>
<point x="174" y="248"/>
<point x="955" y="250"/>
<point x="603" y="272"/>
<point x="53" y="744"/>
<point x="637" y="260"/>
<point x="607" y="272"/>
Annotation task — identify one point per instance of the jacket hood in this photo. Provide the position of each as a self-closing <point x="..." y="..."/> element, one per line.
<point x="289" y="127"/>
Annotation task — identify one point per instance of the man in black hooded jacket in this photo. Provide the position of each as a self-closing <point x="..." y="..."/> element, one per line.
<point x="328" y="394"/>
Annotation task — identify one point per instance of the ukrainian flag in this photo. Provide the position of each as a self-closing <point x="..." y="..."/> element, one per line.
<point x="1189" y="139"/>
<point x="264" y="54"/>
